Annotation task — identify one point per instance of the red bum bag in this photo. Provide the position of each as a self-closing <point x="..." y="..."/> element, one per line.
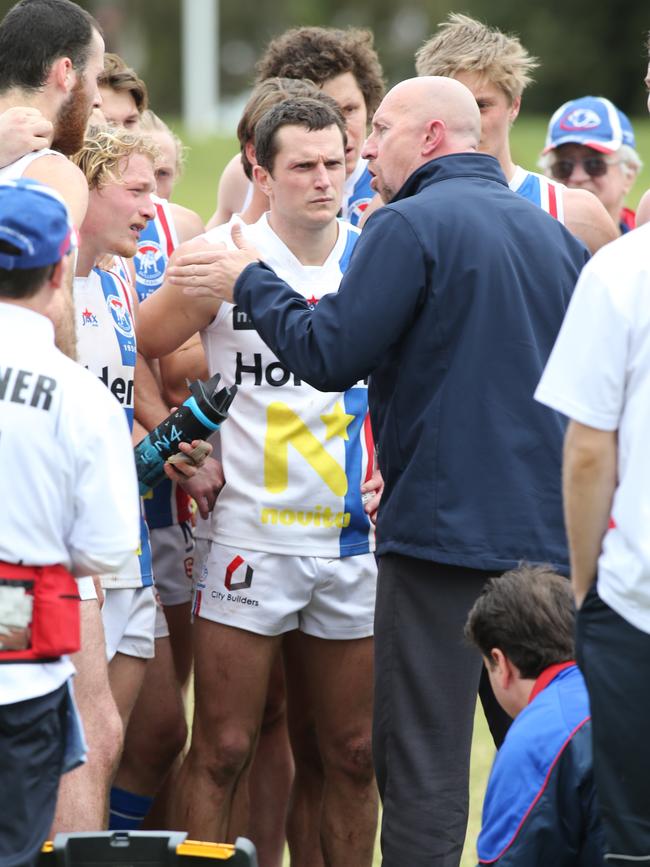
<point x="55" y="627"/>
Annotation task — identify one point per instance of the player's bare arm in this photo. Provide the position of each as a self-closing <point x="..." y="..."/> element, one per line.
<point x="186" y="363"/>
<point x="231" y="192"/>
<point x="589" y="480"/>
<point x="187" y="222"/>
<point x="586" y="218"/>
<point x="166" y="319"/>
<point x="212" y="271"/>
<point x="643" y="211"/>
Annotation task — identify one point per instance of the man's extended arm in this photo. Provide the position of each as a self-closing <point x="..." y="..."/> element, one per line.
<point x="589" y="481"/>
<point x="586" y="218"/>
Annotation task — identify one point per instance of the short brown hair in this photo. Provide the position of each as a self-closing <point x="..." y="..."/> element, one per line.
<point x="265" y="95"/>
<point x="322" y="53"/>
<point x="463" y="44"/>
<point x="528" y="614"/>
<point x="312" y="114"/>
<point x="119" y="77"/>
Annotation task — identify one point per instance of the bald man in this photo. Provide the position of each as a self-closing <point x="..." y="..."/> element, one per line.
<point x="452" y="301"/>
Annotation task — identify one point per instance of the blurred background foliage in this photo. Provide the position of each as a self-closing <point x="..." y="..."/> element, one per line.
<point x="584" y="47"/>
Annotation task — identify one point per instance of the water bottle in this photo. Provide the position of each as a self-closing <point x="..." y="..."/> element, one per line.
<point x="203" y="412"/>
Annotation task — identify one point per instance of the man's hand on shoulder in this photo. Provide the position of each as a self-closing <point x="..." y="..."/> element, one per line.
<point x="210" y="270"/>
<point x="22" y="130"/>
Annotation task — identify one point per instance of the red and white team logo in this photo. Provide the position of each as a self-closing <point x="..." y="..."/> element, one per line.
<point x="150" y="263"/>
<point x="580" y="118"/>
<point x="121" y="316"/>
<point x="235" y="570"/>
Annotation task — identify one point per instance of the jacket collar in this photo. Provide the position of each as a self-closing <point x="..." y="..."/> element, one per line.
<point x="461" y="165"/>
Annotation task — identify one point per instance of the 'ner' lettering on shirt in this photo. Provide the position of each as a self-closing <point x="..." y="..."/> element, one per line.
<point x="19" y="386"/>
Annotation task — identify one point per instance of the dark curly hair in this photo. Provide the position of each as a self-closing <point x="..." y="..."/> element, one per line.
<point x="322" y="53"/>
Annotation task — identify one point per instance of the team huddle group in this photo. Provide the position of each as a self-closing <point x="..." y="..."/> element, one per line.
<point x="388" y="291"/>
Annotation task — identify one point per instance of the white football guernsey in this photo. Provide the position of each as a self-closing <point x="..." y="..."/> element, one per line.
<point x="294" y="457"/>
<point x="106" y="345"/>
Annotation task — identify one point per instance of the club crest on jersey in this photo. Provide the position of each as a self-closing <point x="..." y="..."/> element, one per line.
<point x="357" y="210"/>
<point x="580" y="118"/>
<point x="120" y="314"/>
<point x="150" y="263"/>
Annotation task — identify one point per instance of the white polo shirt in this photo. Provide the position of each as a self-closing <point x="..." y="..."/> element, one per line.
<point x="68" y="488"/>
<point x="599" y="375"/>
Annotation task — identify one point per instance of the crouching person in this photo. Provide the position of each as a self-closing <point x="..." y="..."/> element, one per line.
<point x="540" y="805"/>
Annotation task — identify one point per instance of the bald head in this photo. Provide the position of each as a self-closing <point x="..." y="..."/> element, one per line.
<point x="418" y="120"/>
<point x="433" y="97"/>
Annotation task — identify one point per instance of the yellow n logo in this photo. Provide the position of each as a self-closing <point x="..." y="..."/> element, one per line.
<point x="284" y="427"/>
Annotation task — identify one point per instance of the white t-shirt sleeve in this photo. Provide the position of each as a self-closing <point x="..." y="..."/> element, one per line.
<point x="585" y="376"/>
<point x="105" y="527"/>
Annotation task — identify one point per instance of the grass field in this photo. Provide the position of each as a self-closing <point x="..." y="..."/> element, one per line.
<point x="197" y="190"/>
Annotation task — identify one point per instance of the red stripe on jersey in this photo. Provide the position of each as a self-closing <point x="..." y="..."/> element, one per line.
<point x="197" y="602"/>
<point x="552" y="201"/>
<point x="162" y="216"/>
<point x="127" y="293"/>
<point x="370" y="447"/>
<point x="612" y="524"/>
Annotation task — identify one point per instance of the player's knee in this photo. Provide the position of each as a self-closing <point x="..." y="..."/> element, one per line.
<point x="350" y="756"/>
<point x="230" y="752"/>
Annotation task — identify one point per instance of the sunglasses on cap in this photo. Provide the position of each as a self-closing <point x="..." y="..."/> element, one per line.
<point x="595" y="167"/>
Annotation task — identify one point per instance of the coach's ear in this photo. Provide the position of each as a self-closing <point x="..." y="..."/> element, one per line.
<point x="58" y="272"/>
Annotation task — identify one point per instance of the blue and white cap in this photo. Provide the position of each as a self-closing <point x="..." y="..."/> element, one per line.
<point x="35" y="221"/>
<point x="592" y="121"/>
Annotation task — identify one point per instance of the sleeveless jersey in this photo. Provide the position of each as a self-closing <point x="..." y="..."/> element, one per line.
<point x="167" y="503"/>
<point x="294" y="457"/>
<point x="357" y="193"/>
<point x="16" y="169"/>
<point x="540" y="190"/>
<point x="106" y="346"/>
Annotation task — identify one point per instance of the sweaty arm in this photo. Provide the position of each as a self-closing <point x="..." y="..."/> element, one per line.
<point x="69" y="181"/>
<point x="347" y="335"/>
<point x="586" y="218"/>
<point x="187" y="363"/>
<point x="167" y="319"/>
<point x="589" y="481"/>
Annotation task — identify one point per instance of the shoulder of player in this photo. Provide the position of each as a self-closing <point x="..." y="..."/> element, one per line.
<point x="585" y="216"/>
<point x="66" y="178"/>
<point x="187" y="222"/>
<point x="643" y="211"/>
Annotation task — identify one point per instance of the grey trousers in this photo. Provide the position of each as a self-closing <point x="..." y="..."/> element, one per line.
<point x="426" y="683"/>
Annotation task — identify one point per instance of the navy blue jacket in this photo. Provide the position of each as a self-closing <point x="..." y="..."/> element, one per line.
<point x="540" y="806"/>
<point x="452" y="301"/>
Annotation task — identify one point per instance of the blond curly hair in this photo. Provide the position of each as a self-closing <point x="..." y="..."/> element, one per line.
<point x="105" y="148"/>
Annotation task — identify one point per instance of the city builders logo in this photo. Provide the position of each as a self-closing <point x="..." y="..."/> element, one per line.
<point x="234" y="571"/>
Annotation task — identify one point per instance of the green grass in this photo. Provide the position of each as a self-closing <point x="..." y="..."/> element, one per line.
<point x="197" y="190"/>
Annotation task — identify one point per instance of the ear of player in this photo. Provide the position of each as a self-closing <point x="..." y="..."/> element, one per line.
<point x="200" y="415"/>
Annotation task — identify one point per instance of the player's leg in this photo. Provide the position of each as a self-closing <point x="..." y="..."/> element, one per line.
<point x="82" y="803"/>
<point x="157" y="729"/>
<point x="231" y="674"/>
<point x="338" y="656"/>
<point x="341" y="675"/>
<point x="271" y="775"/>
<point x="240" y="614"/>
<point x="306" y="806"/>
